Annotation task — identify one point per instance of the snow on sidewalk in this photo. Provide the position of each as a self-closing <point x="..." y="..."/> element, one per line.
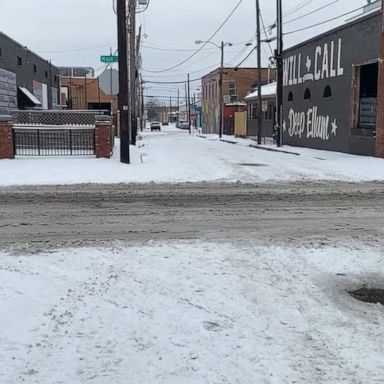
<point x="190" y="312"/>
<point x="173" y="156"/>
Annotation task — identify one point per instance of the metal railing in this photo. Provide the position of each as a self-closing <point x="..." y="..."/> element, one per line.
<point x="54" y="142"/>
<point x="57" y="117"/>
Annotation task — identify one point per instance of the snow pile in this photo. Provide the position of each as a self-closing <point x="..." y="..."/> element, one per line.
<point x="190" y="312"/>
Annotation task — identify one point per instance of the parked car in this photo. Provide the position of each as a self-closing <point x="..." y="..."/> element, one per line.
<point x="155" y="126"/>
<point x="165" y="123"/>
<point x="183" y="124"/>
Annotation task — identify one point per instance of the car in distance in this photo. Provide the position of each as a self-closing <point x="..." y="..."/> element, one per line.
<point x="155" y="126"/>
<point x="164" y="123"/>
<point x="183" y="124"/>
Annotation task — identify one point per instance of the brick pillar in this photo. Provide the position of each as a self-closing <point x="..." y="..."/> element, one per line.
<point x="7" y="150"/>
<point x="103" y="139"/>
<point x="380" y="95"/>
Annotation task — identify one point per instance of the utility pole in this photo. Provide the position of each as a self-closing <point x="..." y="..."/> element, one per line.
<point x="123" y="80"/>
<point x="178" y="105"/>
<point x="259" y="116"/>
<point x="221" y="91"/>
<point x="186" y="98"/>
<point x="279" y="62"/>
<point x="170" y="108"/>
<point x="189" y="105"/>
<point x="132" y="68"/>
<point x="380" y="92"/>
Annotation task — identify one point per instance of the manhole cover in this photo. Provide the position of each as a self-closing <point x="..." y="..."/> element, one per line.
<point x="253" y="165"/>
<point x="368" y="295"/>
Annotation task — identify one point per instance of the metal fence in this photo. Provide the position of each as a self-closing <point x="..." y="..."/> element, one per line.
<point x="55" y="117"/>
<point x="54" y="142"/>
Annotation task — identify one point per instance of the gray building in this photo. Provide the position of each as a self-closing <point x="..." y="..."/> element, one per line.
<point x="268" y="111"/>
<point x="26" y="79"/>
<point x="330" y="88"/>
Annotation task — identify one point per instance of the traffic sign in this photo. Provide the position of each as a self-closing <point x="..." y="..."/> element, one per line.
<point x="109" y="59"/>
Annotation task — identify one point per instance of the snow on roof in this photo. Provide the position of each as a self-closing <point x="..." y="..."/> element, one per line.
<point x="266" y="90"/>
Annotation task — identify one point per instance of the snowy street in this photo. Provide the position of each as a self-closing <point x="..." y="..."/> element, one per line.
<point x="191" y="312"/>
<point x="241" y="277"/>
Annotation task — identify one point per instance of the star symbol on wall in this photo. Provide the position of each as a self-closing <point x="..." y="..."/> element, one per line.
<point x="308" y="63"/>
<point x="284" y="126"/>
<point x="334" y="127"/>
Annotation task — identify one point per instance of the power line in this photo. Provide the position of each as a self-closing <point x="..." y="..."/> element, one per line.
<point x="171" y="82"/>
<point x="246" y="57"/>
<point x="203" y="45"/>
<point x="311" y="13"/>
<point x="325" y="21"/>
<point x="298" y="7"/>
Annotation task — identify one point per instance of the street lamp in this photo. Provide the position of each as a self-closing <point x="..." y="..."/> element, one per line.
<point x="221" y="47"/>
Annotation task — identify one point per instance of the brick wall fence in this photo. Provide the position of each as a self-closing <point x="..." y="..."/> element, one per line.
<point x="6" y="138"/>
<point x="103" y="138"/>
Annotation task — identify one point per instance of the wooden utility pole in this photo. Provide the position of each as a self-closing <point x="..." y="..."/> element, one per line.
<point x="186" y="98"/>
<point x="279" y="62"/>
<point x="123" y="80"/>
<point x="132" y="68"/>
<point x="259" y="107"/>
<point x="189" y="105"/>
<point x="380" y="93"/>
<point x="221" y="119"/>
<point x="178" y="105"/>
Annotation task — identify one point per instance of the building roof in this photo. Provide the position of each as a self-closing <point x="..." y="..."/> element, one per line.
<point x="241" y="69"/>
<point x="266" y="90"/>
<point x="13" y="41"/>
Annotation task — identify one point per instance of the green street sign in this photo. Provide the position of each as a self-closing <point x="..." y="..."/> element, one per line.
<point x="109" y="59"/>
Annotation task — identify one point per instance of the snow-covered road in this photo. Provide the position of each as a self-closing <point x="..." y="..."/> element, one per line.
<point x="174" y="156"/>
<point x="191" y="312"/>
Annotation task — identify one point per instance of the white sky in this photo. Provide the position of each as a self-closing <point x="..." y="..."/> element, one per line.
<point x="77" y="32"/>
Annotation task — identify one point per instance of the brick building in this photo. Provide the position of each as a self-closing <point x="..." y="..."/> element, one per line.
<point x="333" y="95"/>
<point x="26" y="79"/>
<point x="85" y="93"/>
<point x="236" y="85"/>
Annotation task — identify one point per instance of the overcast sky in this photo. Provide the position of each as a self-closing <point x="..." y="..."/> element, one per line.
<point x="77" y="32"/>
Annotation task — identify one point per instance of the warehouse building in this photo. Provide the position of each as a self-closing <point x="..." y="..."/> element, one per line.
<point x="26" y="79"/>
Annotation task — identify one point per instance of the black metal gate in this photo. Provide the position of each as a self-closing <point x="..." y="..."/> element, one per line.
<point x="54" y="142"/>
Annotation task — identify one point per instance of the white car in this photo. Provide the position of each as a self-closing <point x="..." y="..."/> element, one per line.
<point x="155" y="126"/>
<point x="183" y="124"/>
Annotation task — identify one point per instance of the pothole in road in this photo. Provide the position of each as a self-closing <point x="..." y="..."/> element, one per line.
<point x="253" y="165"/>
<point x="368" y="295"/>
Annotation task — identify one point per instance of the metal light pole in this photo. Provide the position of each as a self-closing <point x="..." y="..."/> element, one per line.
<point x="279" y="62"/>
<point x="221" y="101"/>
<point x="259" y="117"/>
<point x="123" y="80"/>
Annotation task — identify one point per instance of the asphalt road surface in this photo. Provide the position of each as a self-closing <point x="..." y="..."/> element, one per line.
<point x="34" y="219"/>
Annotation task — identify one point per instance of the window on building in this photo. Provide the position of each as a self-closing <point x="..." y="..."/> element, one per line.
<point x="327" y="94"/>
<point x="365" y="78"/>
<point x="290" y="96"/>
<point x="307" y="94"/>
<point x="46" y="74"/>
<point x="55" y="78"/>
<point x="34" y="68"/>
<point x="232" y="88"/>
<point x="1" y="52"/>
<point x="19" y="61"/>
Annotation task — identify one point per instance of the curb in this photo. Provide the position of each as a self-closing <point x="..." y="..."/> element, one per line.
<point x="273" y="150"/>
